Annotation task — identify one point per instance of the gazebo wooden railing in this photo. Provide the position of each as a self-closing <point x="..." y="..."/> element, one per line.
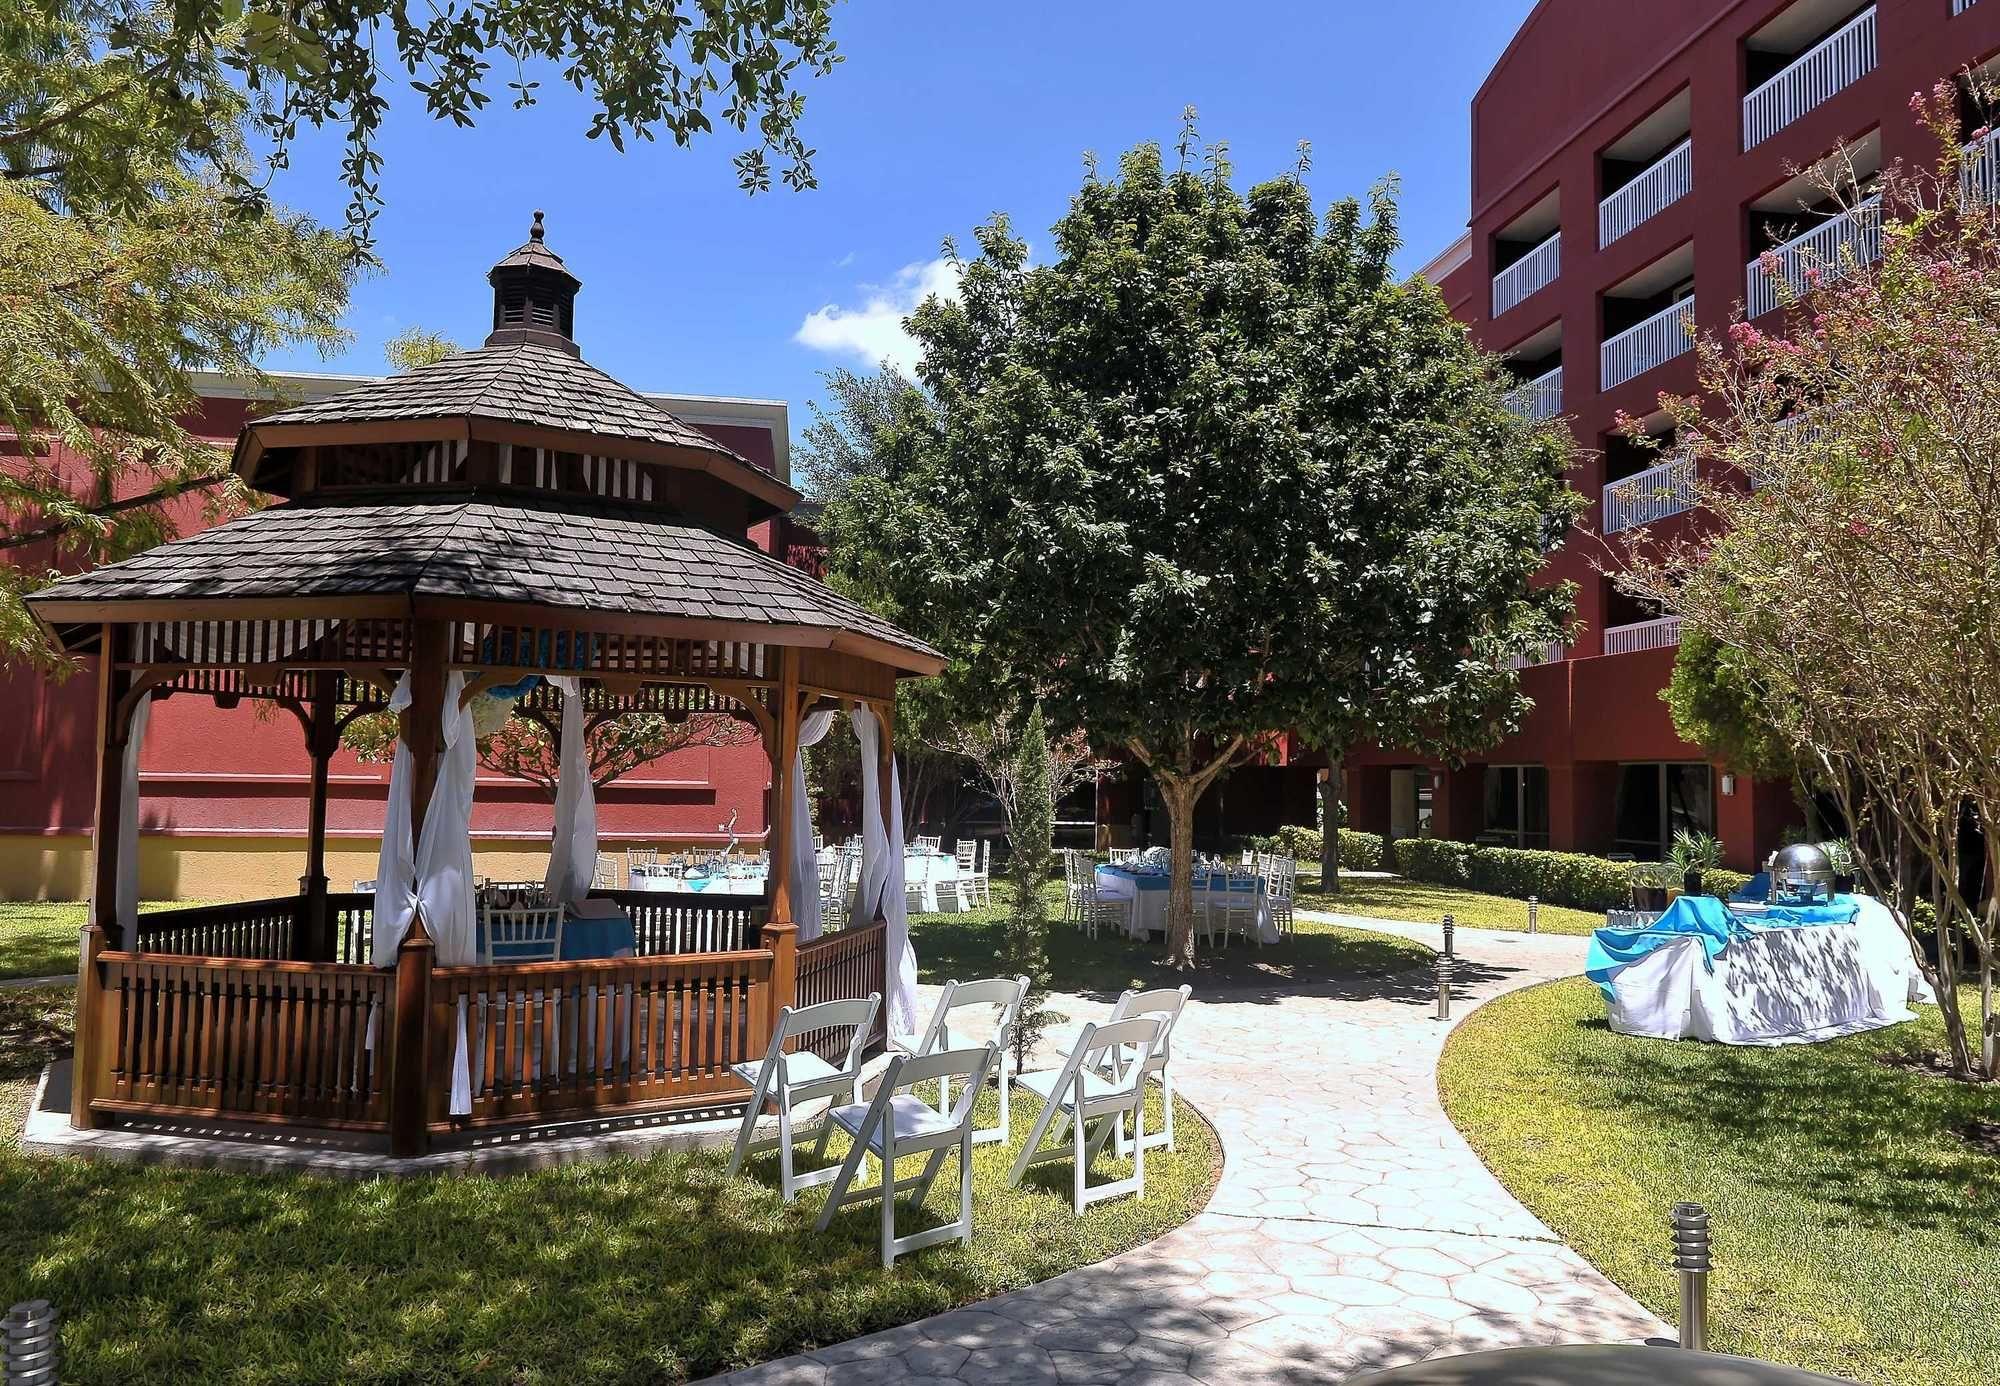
<point x="241" y="1032"/>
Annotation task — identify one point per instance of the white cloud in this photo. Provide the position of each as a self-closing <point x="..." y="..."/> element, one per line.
<point x="873" y="331"/>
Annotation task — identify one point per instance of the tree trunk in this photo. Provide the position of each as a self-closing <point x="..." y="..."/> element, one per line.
<point x="1180" y="795"/>
<point x="1948" y="945"/>
<point x="1331" y="790"/>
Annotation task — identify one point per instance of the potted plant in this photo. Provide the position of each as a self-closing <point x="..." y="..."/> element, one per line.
<point x="1840" y="855"/>
<point x="1692" y="855"/>
<point x="1651" y="880"/>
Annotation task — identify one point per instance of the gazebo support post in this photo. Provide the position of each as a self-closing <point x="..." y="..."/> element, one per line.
<point x="781" y="932"/>
<point x="885" y="768"/>
<point x="409" y="1053"/>
<point x="314" y="940"/>
<point x="102" y="931"/>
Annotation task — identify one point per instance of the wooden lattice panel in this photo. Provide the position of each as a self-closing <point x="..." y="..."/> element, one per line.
<point x="268" y="644"/>
<point x="557" y="650"/>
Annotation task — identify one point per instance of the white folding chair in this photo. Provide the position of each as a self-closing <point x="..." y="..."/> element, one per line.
<point x="832" y="899"/>
<point x="640" y="856"/>
<point x="1004" y="993"/>
<point x="1103" y="1078"/>
<point x="982" y="877"/>
<point x="1281" y="880"/>
<point x="792" y="1078"/>
<point x="896" y="1123"/>
<point x="1124" y="856"/>
<point x="606" y="875"/>
<point x="1165" y="1004"/>
<point x="523" y="934"/>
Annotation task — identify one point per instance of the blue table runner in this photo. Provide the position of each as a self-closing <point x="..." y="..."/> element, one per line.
<point x="1709" y="919"/>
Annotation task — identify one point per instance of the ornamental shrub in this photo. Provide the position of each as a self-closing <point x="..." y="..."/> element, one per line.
<point x="1359" y="851"/>
<point x="1435" y="860"/>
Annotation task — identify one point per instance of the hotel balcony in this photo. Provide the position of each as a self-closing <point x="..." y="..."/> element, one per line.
<point x="1658" y="634"/>
<point x="1830" y="66"/>
<point x="1540" y="398"/>
<point x="1649" y="343"/>
<point x="1534" y="271"/>
<point x="1837" y="244"/>
<point x="1654" y="494"/>
<point x="1979" y="175"/>
<point x="1647" y="195"/>
<point x="1551" y="653"/>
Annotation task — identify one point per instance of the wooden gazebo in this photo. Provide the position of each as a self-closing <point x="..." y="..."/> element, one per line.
<point x="506" y="511"/>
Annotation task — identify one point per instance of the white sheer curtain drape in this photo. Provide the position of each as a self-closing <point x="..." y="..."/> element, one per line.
<point x="882" y="886"/>
<point x="125" y="908"/>
<point x="805" y="862"/>
<point x="435" y="875"/>
<point x="573" y="845"/>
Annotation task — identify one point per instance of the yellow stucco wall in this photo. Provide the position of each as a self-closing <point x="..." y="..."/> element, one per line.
<point x="223" y="868"/>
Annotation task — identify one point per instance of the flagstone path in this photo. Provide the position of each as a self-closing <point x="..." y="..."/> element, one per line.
<point x="1353" y="1227"/>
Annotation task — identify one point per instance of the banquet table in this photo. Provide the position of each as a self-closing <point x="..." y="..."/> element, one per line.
<point x="934" y="873"/>
<point x="1751" y="975"/>
<point x="1147" y="890"/>
<point x="658" y="878"/>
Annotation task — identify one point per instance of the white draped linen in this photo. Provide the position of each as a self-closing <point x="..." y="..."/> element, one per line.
<point x="573" y="845"/>
<point x="1775" y="986"/>
<point x="437" y="875"/>
<point x="125" y="908"/>
<point x="882" y="870"/>
<point x="805" y="863"/>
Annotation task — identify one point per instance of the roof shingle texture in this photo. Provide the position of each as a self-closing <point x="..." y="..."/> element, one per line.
<point x="517" y="382"/>
<point x="480" y="549"/>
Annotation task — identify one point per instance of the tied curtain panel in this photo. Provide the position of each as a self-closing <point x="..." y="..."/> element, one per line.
<point x="573" y="846"/>
<point x="882" y="870"/>
<point x="805" y="862"/>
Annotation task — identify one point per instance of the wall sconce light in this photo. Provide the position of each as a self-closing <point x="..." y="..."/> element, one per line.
<point x="1728" y="785"/>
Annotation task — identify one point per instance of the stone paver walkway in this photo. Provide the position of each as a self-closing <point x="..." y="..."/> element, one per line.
<point x="1353" y="1227"/>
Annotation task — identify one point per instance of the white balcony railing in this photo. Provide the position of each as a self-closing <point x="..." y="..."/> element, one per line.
<point x="1979" y="175"/>
<point x="1646" y="196"/>
<point x="1551" y="653"/>
<point x="1654" y="494"/>
<point x="1854" y="237"/>
<point x="1658" y="634"/>
<point x="1535" y="270"/>
<point x="1639" y="348"/>
<point x="1961" y="6"/>
<point x="1834" y="63"/>
<point x="1540" y="398"/>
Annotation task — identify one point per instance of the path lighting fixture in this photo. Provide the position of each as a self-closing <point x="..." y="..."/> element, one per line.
<point x="1691" y="1259"/>
<point x="30" y="1331"/>
<point x="1534" y="910"/>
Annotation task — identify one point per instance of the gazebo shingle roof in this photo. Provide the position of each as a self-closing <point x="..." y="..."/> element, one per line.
<point x="471" y="548"/>
<point x="516" y="382"/>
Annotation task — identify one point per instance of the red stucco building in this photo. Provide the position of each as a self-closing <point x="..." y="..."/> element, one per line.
<point x="1630" y="161"/>
<point x="223" y="811"/>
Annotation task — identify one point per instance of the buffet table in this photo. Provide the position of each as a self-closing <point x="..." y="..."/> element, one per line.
<point x="661" y="878"/>
<point x="1758" y="975"/>
<point x="1147" y="890"/>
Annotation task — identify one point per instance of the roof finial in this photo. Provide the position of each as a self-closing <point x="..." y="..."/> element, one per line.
<point x="535" y="231"/>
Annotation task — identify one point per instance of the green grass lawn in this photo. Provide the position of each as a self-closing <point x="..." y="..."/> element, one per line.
<point x="633" y="1270"/>
<point x="39" y="940"/>
<point x="1395" y="898"/>
<point x="1855" y="1232"/>
<point x="967" y="945"/>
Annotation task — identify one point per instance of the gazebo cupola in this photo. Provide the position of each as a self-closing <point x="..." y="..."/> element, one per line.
<point x="507" y="523"/>
<point x="534" y="296"/>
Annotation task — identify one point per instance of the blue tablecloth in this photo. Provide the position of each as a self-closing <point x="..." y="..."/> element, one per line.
<point x="1160" y="880"/>
<point x="1709" y="919"/>
<point x="608" y="936"/>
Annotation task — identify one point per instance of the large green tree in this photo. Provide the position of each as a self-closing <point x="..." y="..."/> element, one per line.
<point x="1213" y="472"/>
<point x="138" y="242"/>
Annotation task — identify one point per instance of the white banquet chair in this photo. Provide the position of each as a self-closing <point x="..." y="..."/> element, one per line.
<point x="1103" y="1078"/>
<point x="801" y="1076"/>
<point x="896" y="1123"/>
<point x="1165" y="1004"/>
<point x="1124" y="856"/>
<point x="1281" y="879"/>
<point x="1005" y="995"/>
<point x="523" y="934"/>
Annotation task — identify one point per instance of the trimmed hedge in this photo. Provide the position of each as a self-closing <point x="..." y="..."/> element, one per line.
<point x="1557" y="878"/>
<point x="1359" y="851"/>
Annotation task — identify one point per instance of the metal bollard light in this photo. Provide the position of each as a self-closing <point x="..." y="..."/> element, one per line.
<point x="30" y="1330"/>
<point x="1444" y="970"/>
<point x="1449" y="926"/>
<point x="1534" y="909"/>
<point x="1692" y="1260"/>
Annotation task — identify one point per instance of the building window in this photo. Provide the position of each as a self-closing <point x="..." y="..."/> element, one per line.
<point x="1517" y="805"/>
<point x="1658" y="799"/>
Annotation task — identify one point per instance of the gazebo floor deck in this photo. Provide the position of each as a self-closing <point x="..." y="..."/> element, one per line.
<point x="264" y="1148"/>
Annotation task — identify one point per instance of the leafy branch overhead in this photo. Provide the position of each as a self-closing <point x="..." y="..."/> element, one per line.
<point x="181" y="73"/>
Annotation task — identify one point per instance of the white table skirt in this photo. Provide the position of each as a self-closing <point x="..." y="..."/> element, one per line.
<point x="641" y="879"/>
<point x="1149" y="907"/>
<point x="1778" y="986"/>
<point x="936" y="874"/>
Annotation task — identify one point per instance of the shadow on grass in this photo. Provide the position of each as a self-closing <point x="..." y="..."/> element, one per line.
<point x="1830" y="1121"/>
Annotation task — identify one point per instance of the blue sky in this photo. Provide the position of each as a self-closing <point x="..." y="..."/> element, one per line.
<point x="941" y="115"/>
